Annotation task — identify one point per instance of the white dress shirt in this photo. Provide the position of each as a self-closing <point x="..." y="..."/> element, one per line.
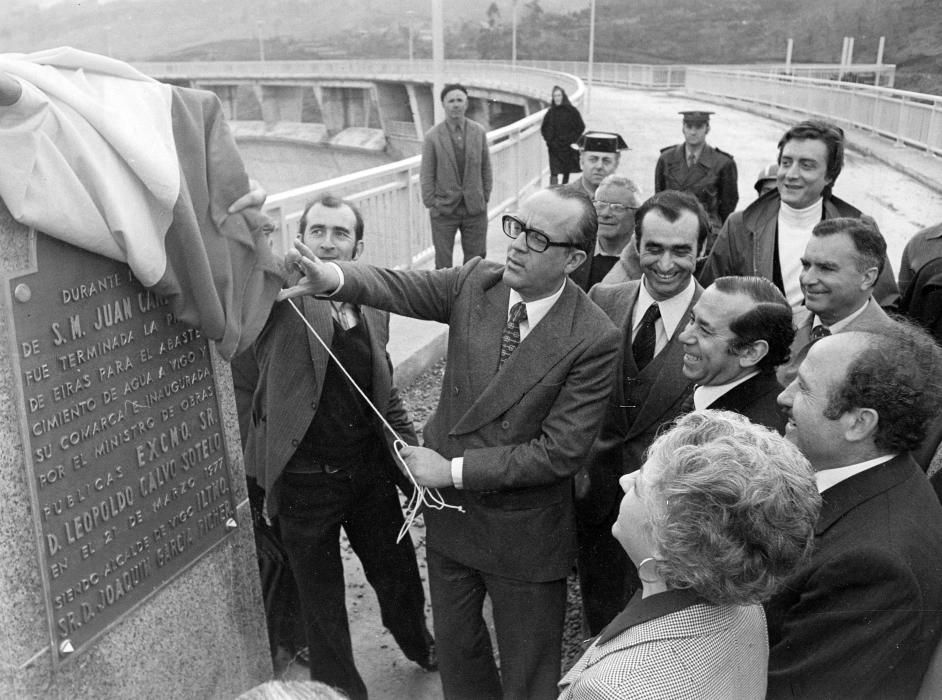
<point x="672" y="310"/>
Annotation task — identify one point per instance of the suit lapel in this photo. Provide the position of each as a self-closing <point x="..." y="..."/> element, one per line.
<point x="746" y="393"/>
<point x="546" y="344"/>
<point x="843" y="497"/>
<point x="318" y="313"/>
<point x="382" y="382"/>
<point x="444" y="137"/>
<point x="666" y="377"/>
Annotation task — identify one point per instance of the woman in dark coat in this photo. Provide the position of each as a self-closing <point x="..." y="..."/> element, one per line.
<point x="562" y="126"/>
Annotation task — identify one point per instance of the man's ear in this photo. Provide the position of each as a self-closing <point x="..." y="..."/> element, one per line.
<point x="752" y="354"/>
<point x="860" y="424"/>
<point x="576" y="258"/>
<point x="358" y="249"/>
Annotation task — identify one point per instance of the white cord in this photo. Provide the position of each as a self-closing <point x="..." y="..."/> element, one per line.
<point x="421" y="495"/>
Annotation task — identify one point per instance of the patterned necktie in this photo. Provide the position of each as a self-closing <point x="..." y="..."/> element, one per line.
<point x="819" y="332"/>
<point x="510" y="338"/>
<point x="642" y="347"/>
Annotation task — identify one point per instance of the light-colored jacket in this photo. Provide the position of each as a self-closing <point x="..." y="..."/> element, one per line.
<point x="702" y="651"/>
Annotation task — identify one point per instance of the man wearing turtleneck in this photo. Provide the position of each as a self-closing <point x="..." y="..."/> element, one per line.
<point x="768" y="238"/>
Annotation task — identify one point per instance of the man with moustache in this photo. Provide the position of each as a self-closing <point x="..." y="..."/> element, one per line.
<point x="649" y="387"/>
<point x="768" y="237"/>
<point x="456" y="179"/>
<point x="863" y="617"/>
<point x="739" y="332"/>
<point x="526" y="383"/>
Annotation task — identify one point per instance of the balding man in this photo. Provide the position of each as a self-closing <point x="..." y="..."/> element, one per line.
<point x="862" y="618"/>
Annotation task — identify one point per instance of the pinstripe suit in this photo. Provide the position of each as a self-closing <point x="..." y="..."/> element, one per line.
<point x="639" y="405"/>
<point x="362" y="498"/>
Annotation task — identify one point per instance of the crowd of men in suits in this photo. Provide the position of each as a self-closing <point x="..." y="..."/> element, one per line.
<point x="550" y="395"/>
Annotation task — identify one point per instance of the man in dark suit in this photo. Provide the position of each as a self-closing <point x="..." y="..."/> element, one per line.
<point x="456" y="179"/>
<point x="526" y="383"/>
<point x="863" y="616"/>
<point x="840" y="267"/>
<point x="739" y="332"/>
<point x="696" y="167"/>
<point x="324" y="458"/>
<point x="649" y="387"/>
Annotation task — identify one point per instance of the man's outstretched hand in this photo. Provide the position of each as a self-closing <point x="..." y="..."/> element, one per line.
<point x="317" y="278"/>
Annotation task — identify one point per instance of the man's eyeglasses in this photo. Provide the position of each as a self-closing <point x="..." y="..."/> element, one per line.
<point x="536" y="240"/>
<point x="614" y="206"/>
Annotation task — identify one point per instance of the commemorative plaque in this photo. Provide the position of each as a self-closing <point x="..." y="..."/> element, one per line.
<point x="120" y="420"/>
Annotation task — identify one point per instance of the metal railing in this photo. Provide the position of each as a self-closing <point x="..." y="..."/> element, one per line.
<point x="909" y="118"/>
<point x="390" y="198"/>
<point x="389" y="195"/>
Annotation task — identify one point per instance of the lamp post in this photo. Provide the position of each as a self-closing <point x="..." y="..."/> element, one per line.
<point x="513" y="50"/>
<point x="410" y="14"/>
<point x="261" y="41"/>
<point x="438" y="57"/>
<point x="588" y="92"/>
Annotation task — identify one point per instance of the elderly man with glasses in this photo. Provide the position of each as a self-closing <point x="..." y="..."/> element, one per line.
<point x="527" y="379"/>
<point x="616" y="201"/>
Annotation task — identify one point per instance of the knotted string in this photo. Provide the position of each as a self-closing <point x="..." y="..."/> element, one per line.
<point x="421" y="495"/>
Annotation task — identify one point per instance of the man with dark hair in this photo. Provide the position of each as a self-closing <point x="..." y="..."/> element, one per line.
<point x="739" y="332"/>
<point x="696" y="167"/>
<point x="768" y="237"/>
<point x="920" y="279"/>
<point x="456" y="179"/>
<point x="863" y="617"/>
<point x="526" y="384"/>
<point x="326" y="461"/>
<point x="840" y="267"/>
<point x="649" y="387"/>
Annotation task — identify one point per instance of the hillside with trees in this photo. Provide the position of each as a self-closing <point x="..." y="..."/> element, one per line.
<point x="642" y="31"/>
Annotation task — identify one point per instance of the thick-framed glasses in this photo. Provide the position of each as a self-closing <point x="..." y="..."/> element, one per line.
<point x="614" y="206"/>
<point x="536" y="240"/>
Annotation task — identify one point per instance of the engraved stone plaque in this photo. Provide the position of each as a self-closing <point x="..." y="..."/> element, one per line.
<point x="121" y="424"/>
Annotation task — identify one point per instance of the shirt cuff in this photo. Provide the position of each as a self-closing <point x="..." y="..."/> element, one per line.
<point x="457" y="472"/>
<point x="339" y="270"/>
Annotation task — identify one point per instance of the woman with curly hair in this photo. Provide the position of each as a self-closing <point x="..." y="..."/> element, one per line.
<point x="719" y="515"/>
<point x="562" y="126"/>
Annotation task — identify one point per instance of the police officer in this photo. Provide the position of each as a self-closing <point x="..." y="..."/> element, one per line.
<point x="706" y="172"/>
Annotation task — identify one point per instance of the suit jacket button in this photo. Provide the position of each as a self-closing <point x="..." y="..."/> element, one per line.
<point x="314" y="405"/>
<point x="505" y="425"/>
<point x="456" y="390"/>
<point x="295" y="443"/>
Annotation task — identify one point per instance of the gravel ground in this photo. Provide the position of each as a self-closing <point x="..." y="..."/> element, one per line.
<point x="420" y="398"/>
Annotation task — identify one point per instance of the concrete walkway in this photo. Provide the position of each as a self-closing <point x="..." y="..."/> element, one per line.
<point x="900" y="187"/>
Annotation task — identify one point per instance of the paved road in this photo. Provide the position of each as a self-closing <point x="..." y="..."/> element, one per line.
<point x="901" y="205"/>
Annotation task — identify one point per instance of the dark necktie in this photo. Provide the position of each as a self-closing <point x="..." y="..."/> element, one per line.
<point x="691" y="160"/>
<point x="642" y="347"/>
<point x="819" y="332"/>
<point x="510" y="338"/>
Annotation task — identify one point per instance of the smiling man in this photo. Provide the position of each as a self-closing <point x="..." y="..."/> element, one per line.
<point x="862" y="618"/>
<point x="649" y="387"/>
<point x="840" y="267"/>
<point x="739" y="332"/>
<point x="616" y="201"/>
<point x="768" y="238"/>
<point x="527" y="379"/>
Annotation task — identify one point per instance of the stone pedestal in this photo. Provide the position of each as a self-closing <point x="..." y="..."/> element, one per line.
<point x="129" y="564"/>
